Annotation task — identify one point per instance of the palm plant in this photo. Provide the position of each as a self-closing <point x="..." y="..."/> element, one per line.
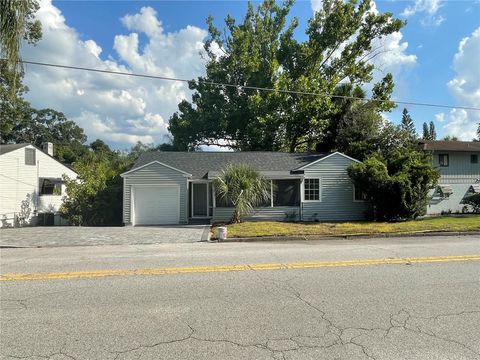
<point x="242" y="186"/>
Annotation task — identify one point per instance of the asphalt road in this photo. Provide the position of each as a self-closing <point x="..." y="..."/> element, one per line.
<point x="419" y="299"/>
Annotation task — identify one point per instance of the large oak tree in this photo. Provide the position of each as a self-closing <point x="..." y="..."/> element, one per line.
<point x="262" y="51"/>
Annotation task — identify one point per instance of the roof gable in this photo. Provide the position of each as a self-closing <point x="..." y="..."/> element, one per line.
<point x="6" y="148"/>
<point x="151" y="163"/>
<point x="328" y="156"/>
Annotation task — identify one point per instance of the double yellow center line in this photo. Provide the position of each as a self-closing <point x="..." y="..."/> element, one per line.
<point x="231" y="268"/>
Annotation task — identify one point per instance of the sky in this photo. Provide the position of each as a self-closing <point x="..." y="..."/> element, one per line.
<point x="435" y="58"/>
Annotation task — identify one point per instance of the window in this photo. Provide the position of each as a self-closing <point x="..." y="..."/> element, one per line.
<point x="311" y="190"/>
<point x="474" y="159"/>
<point x="50" y="187"/>
<point x="359" y="195"/>
<point x="30" y="157"/>
<point x="443" y="160"/>
<point x="286" y="193"/>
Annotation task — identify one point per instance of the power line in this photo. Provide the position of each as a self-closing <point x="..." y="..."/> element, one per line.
<point x="247" y="87"/>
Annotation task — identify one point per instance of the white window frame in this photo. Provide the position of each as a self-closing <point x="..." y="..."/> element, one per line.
<point x="355" y="200"/>
<point x="319" y="189"/>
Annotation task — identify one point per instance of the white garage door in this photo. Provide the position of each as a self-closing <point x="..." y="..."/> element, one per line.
<point x="155" y="205"/>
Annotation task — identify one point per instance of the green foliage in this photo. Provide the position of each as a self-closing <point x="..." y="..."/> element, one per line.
<point x="429" y="132"/>
<point x="426" y="132"/>
<point x="450" y="138"/>
<point x="397" y="186"/>
<point x="17" y="24"/>
<point x="262" y="51"/>
<point x="244" y="187"/>
<point x="432" y="132"/>
<point x="95" y="198"/>
<point x="22" y="123"/>
<point x="407" y="125"/>
<point x="474" y="201"/>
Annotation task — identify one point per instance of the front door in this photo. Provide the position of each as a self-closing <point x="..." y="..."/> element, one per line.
<point x="199" y="199"/>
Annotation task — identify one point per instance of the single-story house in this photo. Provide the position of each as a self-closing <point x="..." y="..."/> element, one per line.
<point x="31" y="185"/>
<point x="176" y="187"/>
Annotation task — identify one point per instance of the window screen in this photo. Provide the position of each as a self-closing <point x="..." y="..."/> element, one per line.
<point x="286" y="193"/>
<point x="474" y="159"/>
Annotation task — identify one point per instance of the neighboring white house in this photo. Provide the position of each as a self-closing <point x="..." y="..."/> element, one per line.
<point x="31" y="185"/>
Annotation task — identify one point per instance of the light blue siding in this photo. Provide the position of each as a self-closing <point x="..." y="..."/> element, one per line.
<point x="459" y="175"/>
<point x="452" y="204"/>
<point x="277" y="213"/>
<point x="154" y="174"/>
<point x="337" y="198"/>
<point x="459" y="166"/>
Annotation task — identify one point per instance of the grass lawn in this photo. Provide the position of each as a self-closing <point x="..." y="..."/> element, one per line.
<point x="273" y="228"/>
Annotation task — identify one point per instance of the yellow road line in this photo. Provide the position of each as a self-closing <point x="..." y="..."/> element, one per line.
<point x="230" y="268"/>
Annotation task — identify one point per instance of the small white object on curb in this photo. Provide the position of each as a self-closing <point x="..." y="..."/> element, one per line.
<point x="222" y="233"/>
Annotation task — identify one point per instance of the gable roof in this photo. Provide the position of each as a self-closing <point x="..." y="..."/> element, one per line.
<point x="155" y="162"/>
<point x="6" y="148"/>
<point x="199" y="164"/>
<point x="326" y="157"/>
<point x="442" y="145"/>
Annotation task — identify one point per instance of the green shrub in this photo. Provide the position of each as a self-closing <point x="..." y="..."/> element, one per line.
<point x="474" y="201"/>
<point x="397" y="186"/>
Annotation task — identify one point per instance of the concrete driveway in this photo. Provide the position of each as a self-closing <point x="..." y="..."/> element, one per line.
<point x="45" y="236"/>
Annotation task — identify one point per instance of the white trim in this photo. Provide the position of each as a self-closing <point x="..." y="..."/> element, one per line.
<point x="326" y="157"/>
<point x="132" y="199"/>
<point x="132" y="207"/>
<point x="319" y="190"/>
<point x="271" y="193"/>
<point x="206" y="182"/>
<point x="155" y="162"/>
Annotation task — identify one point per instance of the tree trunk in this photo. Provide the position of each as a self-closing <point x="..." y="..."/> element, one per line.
<point x="235" y="217"/>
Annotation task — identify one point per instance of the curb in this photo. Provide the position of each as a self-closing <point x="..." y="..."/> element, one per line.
<point x="347" y="237"/>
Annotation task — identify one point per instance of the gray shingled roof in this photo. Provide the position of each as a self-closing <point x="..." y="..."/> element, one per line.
<point x="200" y="163"/>
<point x="442" y="145"/>
<point x="6" y="148"/>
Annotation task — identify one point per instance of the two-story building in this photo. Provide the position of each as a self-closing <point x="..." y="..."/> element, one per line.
<point x="31" y="185"/>
<point x="459" y="166"/>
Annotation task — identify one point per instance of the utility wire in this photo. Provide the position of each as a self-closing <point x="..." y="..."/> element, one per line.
<point x="243" y="86"/>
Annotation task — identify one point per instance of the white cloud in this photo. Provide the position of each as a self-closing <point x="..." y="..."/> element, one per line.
<point x="465" y="88"/>
<point x="440" y="117"/>
<point x="146" y="21"/>
<point x="316" y="5"/>
<point x="118" y="109"/>
<point x="427" y="7"/>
